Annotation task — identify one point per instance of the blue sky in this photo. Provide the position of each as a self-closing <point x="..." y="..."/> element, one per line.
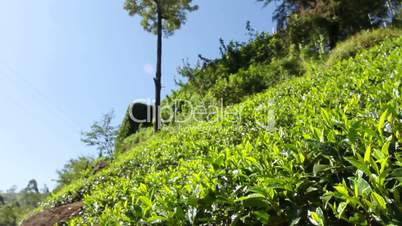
<point x="65" y="63"/>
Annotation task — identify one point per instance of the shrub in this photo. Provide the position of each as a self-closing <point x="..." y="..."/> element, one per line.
<point x="262" y="49"/>
<point x="363" y="40"/>
<point x="17" y="205"/>
<point x="255" y="79"/>
<point x="8" y="216"/>
<point x="74" y="170"/>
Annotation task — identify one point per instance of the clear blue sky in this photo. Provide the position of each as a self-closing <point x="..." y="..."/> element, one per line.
<point x="65" y="63"/>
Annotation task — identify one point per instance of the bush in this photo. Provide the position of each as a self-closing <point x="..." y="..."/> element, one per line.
<point x="74" y="170"/>
<point x="361" y="41"/>
<point x="255" y="79"/>
<point x="262" y="49"/>
<point x="8" y="216"/>
<point x="14" y="205"/>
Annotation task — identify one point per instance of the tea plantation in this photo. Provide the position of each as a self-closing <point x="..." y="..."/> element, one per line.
<point x="321" y="149"/>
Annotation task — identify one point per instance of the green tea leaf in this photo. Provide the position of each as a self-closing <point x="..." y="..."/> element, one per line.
<point x="341" y="208"/>
<point x="262" y="216"/>
<point x="367" y="154"/>
<point x="341" y="188"/>
<point x="251" y="196"/>
<point x="146" y="201"/>
<point x="379" y="199"/>
<point x="382" y="121"/>
<point x="359" y="165"/>
<point x="385" y="148"/>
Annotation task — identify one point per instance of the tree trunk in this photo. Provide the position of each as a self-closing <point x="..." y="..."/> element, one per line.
<point x="333" y="32"/>
<point x="157" y="79"/>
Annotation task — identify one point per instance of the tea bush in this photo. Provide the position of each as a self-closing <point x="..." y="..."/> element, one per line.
<point x="255" y="79"/>
<point x="322" y="149"/>
<point x="363" y="40"/>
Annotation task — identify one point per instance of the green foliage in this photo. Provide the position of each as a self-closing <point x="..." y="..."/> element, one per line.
<point x="8" y="216"/>
<point x="242" y="70"/>
<point x="361" y="41"/>
<point x="140" y="136"/>
<point x="333" y="157"/>
<point x="102" y="135"/>
<point x="304" y="21"/>
<point x="255" y="79"/>
<point x="262" y="49"/>
<point x="74" y="170"/>
<point x="173" y="13"/>
<point x="14" y="206"/>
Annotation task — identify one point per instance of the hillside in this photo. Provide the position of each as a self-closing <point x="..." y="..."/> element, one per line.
<point x="320" y="149"/>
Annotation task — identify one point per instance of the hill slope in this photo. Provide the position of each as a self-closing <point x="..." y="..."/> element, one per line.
<point x="319" y="149"/>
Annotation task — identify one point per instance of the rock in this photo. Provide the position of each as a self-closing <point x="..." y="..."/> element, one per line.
<point x="57" y="215"/>
<point x="98" y="167"/>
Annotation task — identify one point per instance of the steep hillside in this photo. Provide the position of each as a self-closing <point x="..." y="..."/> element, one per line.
<point x="322" y="149"/>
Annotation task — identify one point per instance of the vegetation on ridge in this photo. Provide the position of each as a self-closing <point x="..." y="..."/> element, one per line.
<point x="14" y="205"/>
<point x="333" y="157"/>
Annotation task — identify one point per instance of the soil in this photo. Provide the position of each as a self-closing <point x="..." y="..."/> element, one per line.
<point x="57" y="215"/>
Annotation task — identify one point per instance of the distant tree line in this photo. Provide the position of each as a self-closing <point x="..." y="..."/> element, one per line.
<point x="14" y="205"/>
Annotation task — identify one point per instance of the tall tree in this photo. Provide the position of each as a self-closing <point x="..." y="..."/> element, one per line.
<point x="160" y="17"/>
<point x="32" y="186"/>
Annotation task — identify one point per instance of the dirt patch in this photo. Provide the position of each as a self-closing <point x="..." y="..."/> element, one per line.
<point x="54" y="216"/>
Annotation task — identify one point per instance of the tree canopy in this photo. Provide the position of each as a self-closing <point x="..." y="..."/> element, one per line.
<point x="102" y="135"/>
<point x="73" y="170"/>
<point x="174" y="13"/>
<point x="335" y="18"/>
